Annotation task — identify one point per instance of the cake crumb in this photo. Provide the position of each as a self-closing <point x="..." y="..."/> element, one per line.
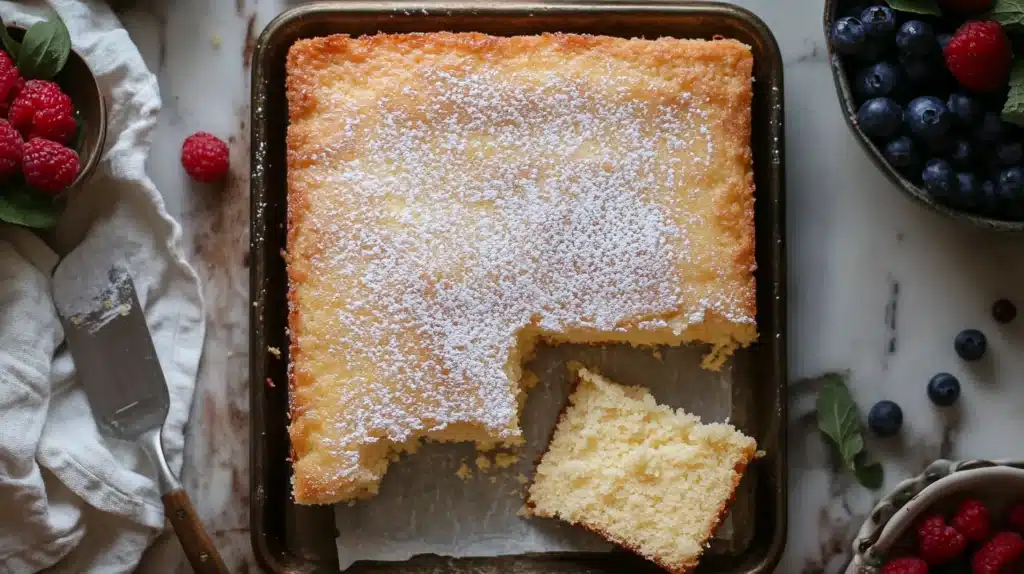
<point x="657" y="354"/>
<point x="274" y="351"/>
<point x="521" y="479"/>
<point x="217" y="41"/>
<point x="464" y="472"/>
<point x="505" y="460"/>
<point x="492" y="479"/>
<point x="483" y="463"/>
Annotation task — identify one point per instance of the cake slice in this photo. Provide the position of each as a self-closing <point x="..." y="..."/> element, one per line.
<point x="455" y="198"/>
<point x="654" y="480"/>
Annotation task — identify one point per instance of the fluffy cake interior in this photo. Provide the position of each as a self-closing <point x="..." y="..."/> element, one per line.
<point x="651" y="479"/>
<point x="454" y="198"/>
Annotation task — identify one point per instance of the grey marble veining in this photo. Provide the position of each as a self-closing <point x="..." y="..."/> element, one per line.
<point x="852" y="238"/>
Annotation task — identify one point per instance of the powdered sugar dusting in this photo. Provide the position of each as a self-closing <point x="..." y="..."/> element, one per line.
<point x="484" y="205"/>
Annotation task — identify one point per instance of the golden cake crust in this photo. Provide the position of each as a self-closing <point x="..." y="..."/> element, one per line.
<point x="388" y="348"/>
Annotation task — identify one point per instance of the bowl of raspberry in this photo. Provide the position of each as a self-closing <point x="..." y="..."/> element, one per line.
<point x="932" y="91"/>
<point x="52" y="122"/>
<point x="964" y="516"/>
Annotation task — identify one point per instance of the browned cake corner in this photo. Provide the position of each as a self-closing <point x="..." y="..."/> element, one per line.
<point x="653" y="480"/>
<point x="454" y="198"/>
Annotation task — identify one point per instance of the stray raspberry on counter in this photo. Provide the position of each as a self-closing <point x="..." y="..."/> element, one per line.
<point x="205" y="157"/>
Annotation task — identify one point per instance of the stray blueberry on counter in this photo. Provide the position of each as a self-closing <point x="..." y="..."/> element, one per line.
<point x="916" y="38"/>
<point x="943" y="389"/>
<point x="966" y="111"/>
<point x="990" y="129"/>
<point x="901" y="152"/>
<point x="885" y="418"/>
<point x="848" y="36"/>
<point x="879" y="22"/>
<point x="880" y="117"/>
<point x="1004" y="311"/>
<point x="970" y="344"/>
<point x="876" y="81"/>
<point x="1009" y="153"/>
<point x="938" y="178"/>
<point x="962" y="154"/>
<point x="927" y="117"/>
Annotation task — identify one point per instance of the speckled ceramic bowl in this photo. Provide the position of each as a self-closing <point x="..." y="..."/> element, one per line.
<point x="889" y="529"/>
<point x="849" y="106"/>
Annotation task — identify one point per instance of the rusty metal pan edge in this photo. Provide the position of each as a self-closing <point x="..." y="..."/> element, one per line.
<point x="776" y="340"/>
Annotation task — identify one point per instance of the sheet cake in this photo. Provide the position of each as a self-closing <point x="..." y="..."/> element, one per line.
<point x="454" y="198"/>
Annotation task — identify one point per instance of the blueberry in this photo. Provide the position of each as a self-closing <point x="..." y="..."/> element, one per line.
<point x="880" y="117"/>
<point x="916" y="38"/>
<point x="989" y="129"/>
<point x="927" y="117"/>
<point x="848" y="37"/>
<point x="943" y="389"/>
<point x="970" y="344"/>
<point x="920" y="71"/>
<point x="879" y="22"/>
<point x="965" y="110"/>
<point x="962" y="154"/>
<point x="1009" y="153"/>
<point x="876" y="81"/>
<point x="1011" y="182"/>
<point x="938" y="178"/>
<point x="967" y="191"/>
<point x="1004" y="311"/>
<point x="943" y="39"/>
<point x="901" y="152"/>
<point x="885" y="418"/>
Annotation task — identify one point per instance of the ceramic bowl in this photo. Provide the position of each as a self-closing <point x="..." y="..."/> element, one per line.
<point x="908" y="187"/>
<point x="890" y="528"/>
<point x="78" y="82"/>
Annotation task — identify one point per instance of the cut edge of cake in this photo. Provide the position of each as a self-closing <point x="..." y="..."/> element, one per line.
<point x="537" y="505"/>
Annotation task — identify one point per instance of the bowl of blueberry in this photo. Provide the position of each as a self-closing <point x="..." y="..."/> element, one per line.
<point x="934" y="94"/>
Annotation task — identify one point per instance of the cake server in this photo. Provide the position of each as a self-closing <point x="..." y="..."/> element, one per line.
<point x="117" y="365"/>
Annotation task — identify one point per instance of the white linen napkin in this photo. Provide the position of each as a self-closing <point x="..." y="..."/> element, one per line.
<point x="72" y="500"/>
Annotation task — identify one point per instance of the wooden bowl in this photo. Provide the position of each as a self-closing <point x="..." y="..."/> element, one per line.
<point x="889" y="530"/>
<point x="849" y="106"/>
<point x="78" y="82"/>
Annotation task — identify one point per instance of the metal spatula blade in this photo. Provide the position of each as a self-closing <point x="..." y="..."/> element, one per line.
<point x="117" y="365"/>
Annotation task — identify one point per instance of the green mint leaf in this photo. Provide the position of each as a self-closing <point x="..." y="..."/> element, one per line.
<point x="22" y="206"/>
<point x="839" y="420"/>
<point x="870" y="475"/>
<point x="1013" y="109"/>
<point x="1009" y="13"/>
<point x="915" y="6"/>
<point x="12" y="46"/>
<point x="44" y="50"/>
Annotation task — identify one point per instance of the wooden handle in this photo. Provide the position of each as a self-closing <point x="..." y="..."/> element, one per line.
<point x="199" y="548"/>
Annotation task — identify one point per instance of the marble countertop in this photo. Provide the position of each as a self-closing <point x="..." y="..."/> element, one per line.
<point x="858" y="250"/>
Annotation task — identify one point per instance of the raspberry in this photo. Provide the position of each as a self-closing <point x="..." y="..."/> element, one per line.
<point x="12" y="148"/>
<point x="979" y="55"/>
<point x="204" y="157"/>
<point x="1016" y="518"/>
<point x="966" y="6"/>
<point x="1001" y="552"/>
<point x="905" y="566"/>
<point x="973" y="521"/>
<point x="938" y="543"/>
<point x="11" y="82"/>
<point x="41" y="110"/>
<point x="49" y="166"/>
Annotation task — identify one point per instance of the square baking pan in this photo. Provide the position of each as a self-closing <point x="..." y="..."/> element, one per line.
<point x="290" y="538"/>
